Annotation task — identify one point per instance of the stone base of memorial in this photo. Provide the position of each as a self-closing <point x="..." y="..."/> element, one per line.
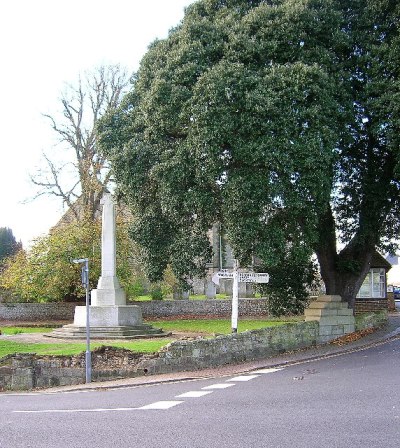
<point x="110" y="316"/>
<point x="108" y="322"/>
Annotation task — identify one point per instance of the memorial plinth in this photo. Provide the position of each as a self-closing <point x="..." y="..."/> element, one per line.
<point x="110" y="316"/>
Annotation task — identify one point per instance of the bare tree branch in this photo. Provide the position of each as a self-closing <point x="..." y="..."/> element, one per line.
<point x="82" y="106"/>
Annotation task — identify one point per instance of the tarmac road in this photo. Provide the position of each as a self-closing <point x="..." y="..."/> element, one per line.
<point x="336" y="400"/>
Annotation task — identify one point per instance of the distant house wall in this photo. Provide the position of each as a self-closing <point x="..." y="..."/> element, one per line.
<point x="372" y="296"/>
<point x="370" y="305"/>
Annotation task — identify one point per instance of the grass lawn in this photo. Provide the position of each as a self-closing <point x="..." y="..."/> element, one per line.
<point x="203" y="326"/>
<point x="20" y="330"/>
<point x="221" y="326"/>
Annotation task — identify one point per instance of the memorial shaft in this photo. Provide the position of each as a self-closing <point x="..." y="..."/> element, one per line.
<point x="108" y="239"/>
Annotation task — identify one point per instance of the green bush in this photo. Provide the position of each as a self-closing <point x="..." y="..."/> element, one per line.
<point x="156" y="293"/>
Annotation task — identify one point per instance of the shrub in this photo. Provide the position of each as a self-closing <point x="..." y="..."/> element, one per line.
<point x="156" y="293"/>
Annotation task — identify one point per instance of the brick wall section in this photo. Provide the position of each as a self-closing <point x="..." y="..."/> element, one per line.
<point x="151" y="309"/>
<point x="370" y="305"/>
<point x="391" y="301"/>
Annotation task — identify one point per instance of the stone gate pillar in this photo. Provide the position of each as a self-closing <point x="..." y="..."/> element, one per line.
<point x="334" y="316"/>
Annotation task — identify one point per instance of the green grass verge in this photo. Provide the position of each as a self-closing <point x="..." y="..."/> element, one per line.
<point x="221" y="326"/>
<point x="204" y="326"/>
<point x="20" y="330"/>
<point x="66" y="349"/>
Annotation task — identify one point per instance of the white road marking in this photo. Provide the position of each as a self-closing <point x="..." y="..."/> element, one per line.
<point x="271" y="370"/>
<point x="161" y="405"/>
<point x="158" y="404"/>
<point x="71" y="411"/>
<point x="218" y="386"/>
<point x="243" y="378"/>
<point x="193" y="394"/>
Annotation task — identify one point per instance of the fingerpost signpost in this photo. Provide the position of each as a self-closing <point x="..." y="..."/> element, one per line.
<point x="238" y="277"/>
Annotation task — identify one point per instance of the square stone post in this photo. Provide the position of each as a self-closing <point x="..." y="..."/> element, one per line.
<point x="334" y="316"/>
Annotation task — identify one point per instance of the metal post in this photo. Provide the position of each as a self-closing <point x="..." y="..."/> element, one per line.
<point x="235" y="297"/>
<point x="85" y="283"/>
<point x="88" y="356"/>
<point x="220" y="247"/>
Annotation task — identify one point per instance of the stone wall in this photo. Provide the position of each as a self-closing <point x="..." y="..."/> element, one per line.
<point x="24" y="372"/>
<point x="201" y="308"/>
<point x="31" y="312"/>
<point x="29" y="371"/>
<point x="371" y="320"/>
<point x="231" y="349"/>
<point x="152" y="309"/>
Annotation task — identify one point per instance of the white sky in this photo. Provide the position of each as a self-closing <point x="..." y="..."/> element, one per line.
<point x="45" y="44"/>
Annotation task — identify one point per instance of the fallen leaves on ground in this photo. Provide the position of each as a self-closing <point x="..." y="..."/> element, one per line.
<point x="351" y="337"/>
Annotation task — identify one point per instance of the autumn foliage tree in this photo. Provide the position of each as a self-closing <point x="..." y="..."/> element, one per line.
<point x="277" y="118"/>
<point x="45" y="273"/>
<point x="78" y="174"/>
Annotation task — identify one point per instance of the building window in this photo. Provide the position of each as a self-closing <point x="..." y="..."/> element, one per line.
<point x="373" y="285"/>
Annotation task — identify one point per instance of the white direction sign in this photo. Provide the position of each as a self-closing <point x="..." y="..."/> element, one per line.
<point x="221" y="274"/>
<point x="238" y="277"/>
<point x="253" y="277"/>
<point x="243" y="277"/>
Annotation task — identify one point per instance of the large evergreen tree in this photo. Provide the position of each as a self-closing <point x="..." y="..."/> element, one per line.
<point x="277" y="118"/>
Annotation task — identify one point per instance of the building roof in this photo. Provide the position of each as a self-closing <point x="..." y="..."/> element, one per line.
<point x="378" y="261"/>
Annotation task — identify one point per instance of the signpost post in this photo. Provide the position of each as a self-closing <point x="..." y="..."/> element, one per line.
<point x="85" y="283"/>
<point x="238" y="277"/>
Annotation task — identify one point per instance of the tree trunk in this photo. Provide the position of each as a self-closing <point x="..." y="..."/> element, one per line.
<point x="343" y="273"/>
<point x="346" y="283"/>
